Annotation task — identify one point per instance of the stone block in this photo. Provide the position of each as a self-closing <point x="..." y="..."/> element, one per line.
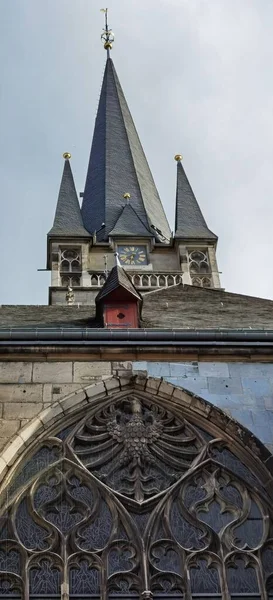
<point x="213" y="369"/>
<point x="268" y="402"/>
<point x="258" y="387"/>
<point x="49" y="414"/>
<point x="165" y="389"/>
<point x="13" y="451"/>
<point x="140" y="365"/>
<point x="21" y="392"/>
<point x="61" y="391"/>
<point x="125" y="381"/>
<point x="140" y="382"/>
<point x="122" y="366"/>
<point x="86" y="371"/>
<point x="243" y="416"/>
<point x="47" y="393"/>
<point x="200" y="406"/>
<point x="112" y="384"/>
<point x="184" y="398"/>
<point x="9" y="428"/>
<point x="263" y="433"/>
<point x="15" y="372"/>
<point x="97" y="389"/>
<point x="228" y="385"/>
<point x="183" y="369"/>
<point x="22" y="410"/>
<point x="193" y="384"/>
<point x="52" y="372"/>
<point x="158" y="369"/>
<point x="152" y="385"/>
<point x="260" y="417"/>
<point x="72" y="401"/>
<point x="251" y="370"/>
<point x="30" y="430"/>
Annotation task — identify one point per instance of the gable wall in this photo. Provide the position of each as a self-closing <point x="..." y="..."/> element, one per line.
<point x="243" y="390"/>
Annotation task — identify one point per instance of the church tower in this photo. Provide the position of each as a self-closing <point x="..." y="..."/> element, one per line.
<point x="122" y="213"/>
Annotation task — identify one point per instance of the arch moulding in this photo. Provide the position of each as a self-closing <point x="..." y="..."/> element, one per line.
<point x="199" y="411"/>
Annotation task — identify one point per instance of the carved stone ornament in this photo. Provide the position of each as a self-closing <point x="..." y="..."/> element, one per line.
<point x="135" y="501"/>
<point x="138" y="448"/>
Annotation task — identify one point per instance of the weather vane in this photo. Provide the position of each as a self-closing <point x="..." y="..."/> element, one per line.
<point x="107" y="37"/>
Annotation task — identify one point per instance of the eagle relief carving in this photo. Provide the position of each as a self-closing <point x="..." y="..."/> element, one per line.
<point x="135" y="447"/>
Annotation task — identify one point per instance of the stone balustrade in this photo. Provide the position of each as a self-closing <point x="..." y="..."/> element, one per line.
<point x="152" y="280"/>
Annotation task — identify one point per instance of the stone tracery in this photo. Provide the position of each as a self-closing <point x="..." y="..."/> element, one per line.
<point x="131" y="499"/>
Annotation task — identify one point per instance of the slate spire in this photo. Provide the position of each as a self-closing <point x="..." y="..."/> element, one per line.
<point x="68" y="218"/>
<point x="118" y="164"/>
<point x="189" y="220"/>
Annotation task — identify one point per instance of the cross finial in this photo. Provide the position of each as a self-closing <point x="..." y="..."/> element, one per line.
<point x="107" y="36"/>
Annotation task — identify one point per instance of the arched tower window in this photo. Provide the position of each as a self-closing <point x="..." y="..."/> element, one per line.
<point x="134" y="501"/>
<point x="70" y="267"/>
<point x="200" y="268"/>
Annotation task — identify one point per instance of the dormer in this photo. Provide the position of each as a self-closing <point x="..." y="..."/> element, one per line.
<point x="118" y="302"/>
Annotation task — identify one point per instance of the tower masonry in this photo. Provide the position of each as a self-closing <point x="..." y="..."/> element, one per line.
<point x="122" y="213"/>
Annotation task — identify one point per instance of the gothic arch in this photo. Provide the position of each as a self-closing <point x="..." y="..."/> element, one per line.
<point x="146" y="489"/>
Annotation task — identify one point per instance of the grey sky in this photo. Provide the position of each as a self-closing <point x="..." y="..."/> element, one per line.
<point x="197" y="75"/>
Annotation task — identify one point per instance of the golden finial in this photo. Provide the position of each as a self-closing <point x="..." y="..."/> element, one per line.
<point x="178" y="157"/>
<point x="66" y="155"/>
<point x="107" y="36"/>
<point x="127" y="196"/>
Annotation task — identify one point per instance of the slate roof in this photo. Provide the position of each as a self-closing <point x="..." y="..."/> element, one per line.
<point x="117" y="165"/>
<point x="129" y="223"/>
<point x="178" y="307"/>
<point x="189" y="220"/>
<point x="117" y="278"/>
<point x="48" y="316"/>
<point x="190" y="307"/>
<point x="68" y="219"/>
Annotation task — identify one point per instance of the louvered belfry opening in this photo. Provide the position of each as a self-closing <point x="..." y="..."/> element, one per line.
<point x="134" y="501"/>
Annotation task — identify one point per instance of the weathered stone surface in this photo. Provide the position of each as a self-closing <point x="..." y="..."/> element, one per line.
<point x="86" y="371"/>
<point x="49" y="414"/>
<point x="228" y="385"/>
<point x="21" y="392"/>
<point x="165" y="389"/>
<point x="15" y="372"/>
<point x="52" y="372"/>
<point x="216" y="369"/>
<point x="47" y="392"/>
<point x="31" y="430"/>
<point x="98" y="389"/>
<point x="21" y="410"/>
<point x="182" y="396"/>
<point x="152" y="385"/>
<point x="73" y="401"/>
<point x="61" y="391"/>
<point x="8" y="428"/>
<point x="13" y="450"/>
<point x="112" y="384"/>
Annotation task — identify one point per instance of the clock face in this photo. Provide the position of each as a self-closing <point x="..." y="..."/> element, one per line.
<point x="132" y="255"/>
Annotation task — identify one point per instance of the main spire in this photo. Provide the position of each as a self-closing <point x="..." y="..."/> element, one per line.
<point x="118" y="164"/>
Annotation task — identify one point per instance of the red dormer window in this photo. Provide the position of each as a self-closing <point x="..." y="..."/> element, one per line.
<point x="120" y="315"/>
<point x="119" y="302"/>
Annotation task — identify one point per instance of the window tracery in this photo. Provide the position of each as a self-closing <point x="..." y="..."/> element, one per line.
<point x="200" y="268"/>
<point x="134" y="499"/>
<point x="70" y="265"/>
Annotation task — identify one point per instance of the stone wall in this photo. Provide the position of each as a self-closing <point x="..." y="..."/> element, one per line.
<point x="243" y="390"/>
<point x="27" y="388"/>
